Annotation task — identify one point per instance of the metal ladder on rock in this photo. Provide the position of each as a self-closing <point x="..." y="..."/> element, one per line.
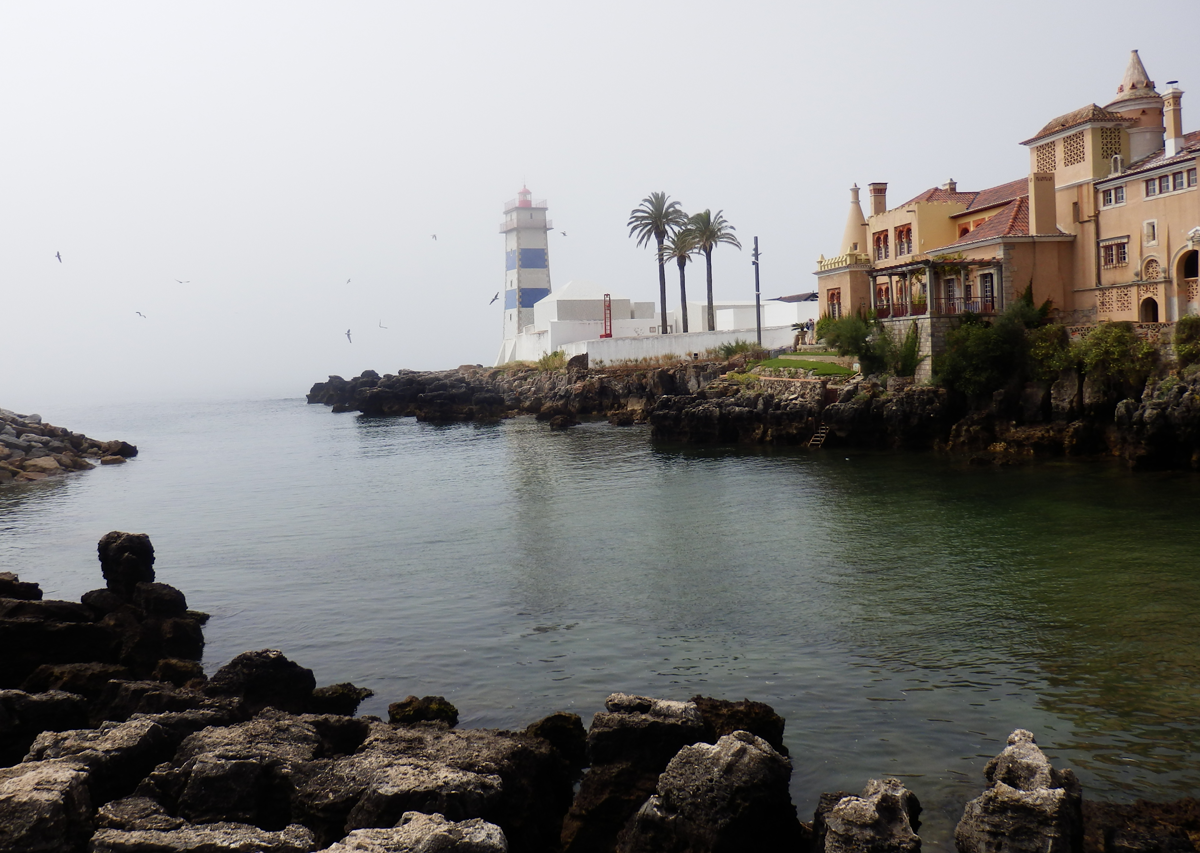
<point x="818" y="438"/>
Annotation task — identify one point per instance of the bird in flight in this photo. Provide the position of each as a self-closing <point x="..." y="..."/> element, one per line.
<point x="381" y="325"/>
<point x="434" y="236"/>
<point x="59" y="256"/>
<point x="140" y="314"/>
<point x="494" y="298"/>
<point x="564" y="233"/>
<point x="348" y="336"/>
<point x="347" y="281"/>
<point x="189" y="281"/>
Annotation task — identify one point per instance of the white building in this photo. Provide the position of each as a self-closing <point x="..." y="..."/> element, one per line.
<point x="538" y="322"/>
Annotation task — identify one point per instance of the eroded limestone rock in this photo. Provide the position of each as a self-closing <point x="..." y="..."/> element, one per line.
<point x="1028" y="807"/>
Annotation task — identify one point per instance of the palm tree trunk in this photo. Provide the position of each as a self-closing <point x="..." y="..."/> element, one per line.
<point x="683" y="292"/>
<point x="662" y="285"/>
<point x="712" y="320"/>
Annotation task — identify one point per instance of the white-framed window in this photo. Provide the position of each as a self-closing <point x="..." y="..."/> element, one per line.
<point x="1115" y="253"/>
<point x="1150" y="232"/>
<point x="1164" y="184"/>
<point x="1191" y="177"/>
<point x="1177" y="181"/>
<point x="1112" y="197"/>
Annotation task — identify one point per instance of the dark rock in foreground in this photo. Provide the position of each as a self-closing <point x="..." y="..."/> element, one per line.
<point x="1028" y="805"/>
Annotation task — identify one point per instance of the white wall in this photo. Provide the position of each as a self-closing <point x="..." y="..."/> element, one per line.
<point x="631" y="349"/>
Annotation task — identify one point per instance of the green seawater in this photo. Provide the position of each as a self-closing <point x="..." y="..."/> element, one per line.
<point x="904" y="612"/>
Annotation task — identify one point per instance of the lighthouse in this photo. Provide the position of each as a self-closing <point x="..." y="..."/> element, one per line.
<point x="526" y="265"/>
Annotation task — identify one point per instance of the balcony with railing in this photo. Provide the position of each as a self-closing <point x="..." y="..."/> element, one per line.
<point x="951" y="305"/>
<point x="514" y="224"/>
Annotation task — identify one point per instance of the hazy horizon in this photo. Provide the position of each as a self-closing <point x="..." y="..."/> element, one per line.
<point x="266" y="153"/>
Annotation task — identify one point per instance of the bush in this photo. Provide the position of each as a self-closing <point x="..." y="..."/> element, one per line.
<point x="1050" y="351"/>
<point x="823" y="326"/>
<point x="1114" y="352"/>
<point x="556" y="360"/>
<point x="1187" y="340"/>
<point x="738" y="347"/>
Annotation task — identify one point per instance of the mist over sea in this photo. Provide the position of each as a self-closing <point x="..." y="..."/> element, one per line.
<point x="903" y="612"/>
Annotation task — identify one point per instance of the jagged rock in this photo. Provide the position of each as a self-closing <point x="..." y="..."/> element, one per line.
<point x="12" y="586"/>
<point x="116" y="755"/>
<point x="136" y="813"/>
<point x="23" y="716"/>
<point x="731" y="796"/>
<point x="565" y="732"/>
<point x="205" y="838"/>
<point x="424" y="833"/>
<point x="722" y="717"/>
<point x="179" y="672"/>
<point x="883" y="820"/>
<point x="84" y="679"/>
<point x="120" y="700"/>
<point x="45" y="807"/>
<point x="396" y="788"/>
<point x="427" y="709"/>
<point x="343" y="698"/>
<point x="1142" y="827"/>
<point x="629" y="745"/>
<point x="159" y="599"/>
<point x="126" y="559"/>
<point x="264" y="679"/>
<point x="1028" y="805"/>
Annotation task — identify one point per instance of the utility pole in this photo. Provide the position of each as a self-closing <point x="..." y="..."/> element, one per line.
<point x="757" y="302"/>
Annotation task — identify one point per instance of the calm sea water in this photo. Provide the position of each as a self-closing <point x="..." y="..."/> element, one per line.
<point x="904" y="613"/>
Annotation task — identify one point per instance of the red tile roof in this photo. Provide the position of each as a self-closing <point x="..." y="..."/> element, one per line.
<point x="943" y="195"/>
<point x="1078" y="117"/>
<point x="994" y="196"/>
<point x="1189" y="151"/>
<point x="1011" y="221"/>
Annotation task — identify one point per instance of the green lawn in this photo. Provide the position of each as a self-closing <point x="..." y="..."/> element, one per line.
<point x="819" y="368"/>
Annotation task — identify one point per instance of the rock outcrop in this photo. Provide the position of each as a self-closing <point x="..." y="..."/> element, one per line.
<point x="486" y="395"/>
<point x="32" y="450"/>
<point x="1028" y="805"/>
<point x="884" y="819"/>
<point x="724" y="797"/>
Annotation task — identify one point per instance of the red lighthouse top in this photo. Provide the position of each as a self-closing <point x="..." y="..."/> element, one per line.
<point x="524" y="198"/>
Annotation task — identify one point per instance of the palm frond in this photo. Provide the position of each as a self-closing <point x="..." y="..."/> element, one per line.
<point x="712" y="230"/>
<point x="655" y="218"/>
<point x="680" y="246"/>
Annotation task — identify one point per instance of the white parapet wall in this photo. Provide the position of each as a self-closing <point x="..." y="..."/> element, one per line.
<point x="614" y="350"/>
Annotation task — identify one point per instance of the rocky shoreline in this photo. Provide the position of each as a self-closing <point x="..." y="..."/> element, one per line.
<point x="32" y="450"/>
<point x="113" y="740"/>
<point x="1155" y="426"/>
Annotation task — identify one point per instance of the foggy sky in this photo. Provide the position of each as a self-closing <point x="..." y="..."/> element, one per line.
<point x="267" y="152"/>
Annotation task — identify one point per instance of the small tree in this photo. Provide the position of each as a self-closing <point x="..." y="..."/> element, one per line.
<point x="1187" y="340"/>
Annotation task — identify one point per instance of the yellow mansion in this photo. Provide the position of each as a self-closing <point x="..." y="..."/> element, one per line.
<point x="1107" y="225"/>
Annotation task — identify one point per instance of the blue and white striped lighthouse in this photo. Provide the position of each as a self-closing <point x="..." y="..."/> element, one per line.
<point x="526" y="264"/>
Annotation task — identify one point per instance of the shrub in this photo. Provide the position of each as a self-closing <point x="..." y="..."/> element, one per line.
<point x="1050" y="351"/>
<point x="738" y="347"/>
<point x="556" y="360"/>
<point x="823" y="326"/>
<point x="1187" y="340"/>
<point x="1113" y="351"/>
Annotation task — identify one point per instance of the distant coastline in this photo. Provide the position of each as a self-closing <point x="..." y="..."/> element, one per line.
<point x="32" y="450"/>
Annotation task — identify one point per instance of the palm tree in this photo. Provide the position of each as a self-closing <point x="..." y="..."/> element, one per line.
<point x="657" y="217"/>
<point x="710" y="232"/>
<point x="681" y="247"/>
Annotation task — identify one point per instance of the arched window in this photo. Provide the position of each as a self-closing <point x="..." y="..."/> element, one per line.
<point x="1152" y="271"/>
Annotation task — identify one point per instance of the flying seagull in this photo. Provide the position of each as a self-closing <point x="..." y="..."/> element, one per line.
<point x="348" y="336"/>
<point x="189" y="281"/>
<point x="434" y="236"/>
<point x="494" y="298"/>
<point x="59" y="256"/>
<point x="381" y="325"/>
<point x="564" y="233"/>
<point x="140" y="314"/>
<point x="347" y="281"/>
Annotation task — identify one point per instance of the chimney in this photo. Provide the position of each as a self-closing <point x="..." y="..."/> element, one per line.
<point x="951" y="185"/>
<point x="1042" y="214"/>
<point x="1173" y="118"/>
<point x="878" y="198"/>
<point x="854" y="238"/>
